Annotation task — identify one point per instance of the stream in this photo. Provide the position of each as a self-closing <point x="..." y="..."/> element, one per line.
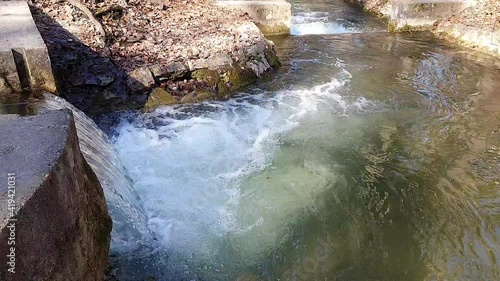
<point x="367" y="156"/>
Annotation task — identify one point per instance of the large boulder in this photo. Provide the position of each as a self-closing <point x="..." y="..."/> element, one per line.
<point x="53" y="216"/>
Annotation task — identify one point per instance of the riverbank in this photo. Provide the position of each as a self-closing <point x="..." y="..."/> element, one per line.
<point x="474" y="24"/>
<point x="113" y="54"/>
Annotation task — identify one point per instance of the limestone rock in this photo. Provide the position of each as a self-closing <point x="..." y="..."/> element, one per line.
<point x="62" y="227"/>
<point x="170" y="71"/>
<point x="211" y="77"/>
<point x="200" y="96"/>
<point x="259" y="66"/>
<point x="214" y="62"/>
<point x="159" y="97"/>
<point x="140" y="79"/>
<point x="190" y="98"/>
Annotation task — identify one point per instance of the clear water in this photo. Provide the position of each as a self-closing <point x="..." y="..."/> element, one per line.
<point x="368" y="156"/>
<point x="330" y="17"/>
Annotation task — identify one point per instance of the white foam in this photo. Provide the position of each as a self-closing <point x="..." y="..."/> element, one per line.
<point x="188" y="169"/>
<point x="320" y="27"/>
<point x="316" y="23"/>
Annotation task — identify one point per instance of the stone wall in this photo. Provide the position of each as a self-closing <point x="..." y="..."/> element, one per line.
<point x="60" y="228"/>
<point x="220" y="76"/>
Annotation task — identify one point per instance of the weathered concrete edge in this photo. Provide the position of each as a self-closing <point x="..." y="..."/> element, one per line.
<point x="272" y="17"/>
<point x="23" y="48"/>
<point x="477" y="39"/>
<point x="473" y="38"/>
<point x="62" y="228"/>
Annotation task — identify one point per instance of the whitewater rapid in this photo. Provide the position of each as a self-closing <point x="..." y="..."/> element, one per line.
<point x="190" y="166"/>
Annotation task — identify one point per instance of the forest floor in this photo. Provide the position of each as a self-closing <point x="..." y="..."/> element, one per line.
<point x="143" y="32"/>
<point x="108" y="55"/>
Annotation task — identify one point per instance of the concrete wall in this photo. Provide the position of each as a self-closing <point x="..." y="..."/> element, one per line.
<point x="421" y="14"/>
<point x="271" y="16"/>
<point x="24" y="60"/>
<point x="60" y="228"/>
<point x="435" y="15"/>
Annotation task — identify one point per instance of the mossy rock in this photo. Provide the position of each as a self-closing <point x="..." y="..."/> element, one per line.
<point x="211" y="77"/>
<point x="275" y="29"/>
<point x="205" y="95"/>
<point x="394" y="27"/>
<point x="189" y="98"/>
<point x="238" y="77"/>
<point x="223" y="89"/>
<point x="272" y="59"/>
<point x="198" y="96"/>
<point x="159" y="97"/>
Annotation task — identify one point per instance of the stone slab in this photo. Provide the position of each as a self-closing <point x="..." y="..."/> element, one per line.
<point x="273" y="17"/>
<point x="20" y="37"/>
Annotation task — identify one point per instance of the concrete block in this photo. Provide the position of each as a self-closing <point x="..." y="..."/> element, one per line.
<point x="53" y="210"/>
<point x="421" y="14"/>
<point x="272" y="17"/>
<point x="22" y="46"/>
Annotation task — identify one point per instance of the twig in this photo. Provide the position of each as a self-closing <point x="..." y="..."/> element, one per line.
<point x="107" y="9"/>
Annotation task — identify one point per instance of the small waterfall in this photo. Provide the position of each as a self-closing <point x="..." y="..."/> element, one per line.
<point x="310" y="24"/>
<point x="315" y="23"/>
<point x="124" y="204"/>
<point x="323" y="17"/>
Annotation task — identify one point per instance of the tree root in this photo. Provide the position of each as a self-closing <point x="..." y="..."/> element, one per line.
<point x="108" y="9"/>
<point x="90" y="16"/>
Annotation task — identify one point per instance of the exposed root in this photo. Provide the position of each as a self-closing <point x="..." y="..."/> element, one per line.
<point x="90" y="16"/>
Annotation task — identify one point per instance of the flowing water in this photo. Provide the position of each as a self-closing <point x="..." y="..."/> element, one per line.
<point x="367" y="156"/>
<point x="124" y="204"/>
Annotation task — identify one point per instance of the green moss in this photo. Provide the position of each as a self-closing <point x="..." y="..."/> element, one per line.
<point x="189" y="98"/>
<point x="159" y="97"/>
<point x="204" y="95"/>
<point x="278" y="29"/>
<point x="198" y="96"/>
<point x="236" y="77"/>
<point x="392" y="27"/>
<point x="211" y="77"/>
<point x="225" y="81"/>
<point x="222" y="90"/>
<point x="247" y="77"/>
<point x="272" y="59"/>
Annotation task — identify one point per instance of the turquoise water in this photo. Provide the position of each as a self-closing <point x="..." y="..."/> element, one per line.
<point x="367" y="156"/>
